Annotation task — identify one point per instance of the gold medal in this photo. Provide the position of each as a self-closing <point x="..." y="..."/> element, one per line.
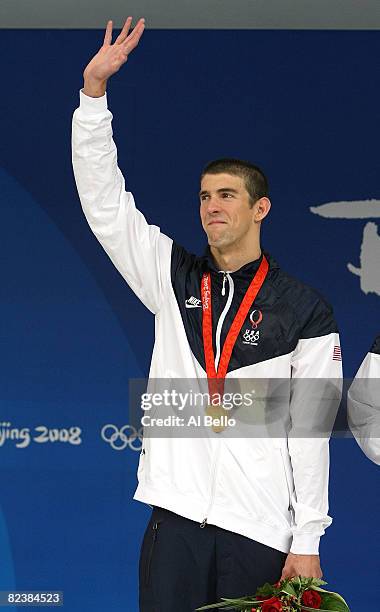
<point x="219" y="416"/>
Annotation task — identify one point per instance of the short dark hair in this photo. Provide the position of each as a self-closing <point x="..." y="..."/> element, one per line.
<point x="256" y="183"/>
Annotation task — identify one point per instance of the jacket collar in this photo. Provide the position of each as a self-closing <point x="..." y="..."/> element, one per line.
<point x="247" y="270"/>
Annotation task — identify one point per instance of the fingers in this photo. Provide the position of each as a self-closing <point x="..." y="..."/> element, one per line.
<point x="127" y="42"/>
<point x="108" y="34"/>
<point x="124" y="33"/>
<point x="132" y="40"/>
<point x="287" y="572"/>
<point x="283" y="575"/>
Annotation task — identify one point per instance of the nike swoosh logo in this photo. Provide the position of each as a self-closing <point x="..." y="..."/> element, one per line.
<point x="193" y="303"/>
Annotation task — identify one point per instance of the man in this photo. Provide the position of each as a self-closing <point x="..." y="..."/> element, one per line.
<point x="363" y="405"/>
<point x="228" y="514"/>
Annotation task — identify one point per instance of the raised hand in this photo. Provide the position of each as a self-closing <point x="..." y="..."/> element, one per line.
<point x="111" y="57"/>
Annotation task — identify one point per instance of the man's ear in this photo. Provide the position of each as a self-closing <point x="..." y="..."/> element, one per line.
<point x="262" y="208"/>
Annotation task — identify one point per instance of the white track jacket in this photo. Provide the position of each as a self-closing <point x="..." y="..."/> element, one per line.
<point x="270" y="489"/>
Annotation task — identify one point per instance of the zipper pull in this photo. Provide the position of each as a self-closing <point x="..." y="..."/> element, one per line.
<point x="292" y="514"/>
<point x="155" y="527"/>
<point x="224" y="283"/>
<point x="203" y="523"/>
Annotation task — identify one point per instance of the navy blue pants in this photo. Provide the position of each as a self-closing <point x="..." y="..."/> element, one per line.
<point x="183" y="566"/>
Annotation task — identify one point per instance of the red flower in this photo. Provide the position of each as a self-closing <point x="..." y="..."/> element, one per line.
<point x="311" y="599"/>
<point x="272" y="605"/>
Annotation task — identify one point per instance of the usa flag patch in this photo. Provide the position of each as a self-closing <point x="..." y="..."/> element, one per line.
<point x="337" y="354"/>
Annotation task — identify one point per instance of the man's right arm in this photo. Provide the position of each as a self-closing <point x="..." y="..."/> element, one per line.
<point x="140" y="251"/>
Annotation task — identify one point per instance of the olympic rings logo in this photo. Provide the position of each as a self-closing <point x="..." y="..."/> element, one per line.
<point x="119" y="439"/>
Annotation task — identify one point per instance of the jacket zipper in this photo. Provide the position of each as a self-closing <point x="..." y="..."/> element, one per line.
<point x="154" y="528"/>
<point x="225" y="274"/>
<point x="213" y="483"/>
<point x="223" y="315"/>
<point x="217" y="357"/>
<point x="290" y="506"/>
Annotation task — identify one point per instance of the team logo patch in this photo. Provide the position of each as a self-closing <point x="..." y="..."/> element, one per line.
<point x="252" y="336"/>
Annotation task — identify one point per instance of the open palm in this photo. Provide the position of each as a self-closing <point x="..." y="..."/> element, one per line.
<point x="111" y="57"/>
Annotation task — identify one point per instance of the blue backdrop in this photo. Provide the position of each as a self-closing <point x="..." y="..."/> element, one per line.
<point x="304" y="105"/>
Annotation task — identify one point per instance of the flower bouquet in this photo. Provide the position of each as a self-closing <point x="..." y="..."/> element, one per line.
<point x="289" y="595"/>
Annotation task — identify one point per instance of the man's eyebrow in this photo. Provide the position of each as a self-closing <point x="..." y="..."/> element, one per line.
<point x="230" y="189"/>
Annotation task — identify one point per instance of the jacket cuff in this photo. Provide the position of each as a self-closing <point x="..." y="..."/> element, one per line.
<point x="92" y="106"/>
<point x="305" y="544"/>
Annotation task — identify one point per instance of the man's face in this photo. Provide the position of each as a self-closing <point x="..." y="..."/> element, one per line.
<point x="225" y="210"/>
